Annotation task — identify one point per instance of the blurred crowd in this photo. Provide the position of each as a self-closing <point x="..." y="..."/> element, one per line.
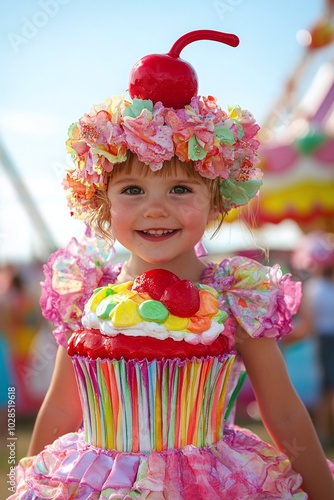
<point x="27" y="347"/>
<point x="313" y="259"/>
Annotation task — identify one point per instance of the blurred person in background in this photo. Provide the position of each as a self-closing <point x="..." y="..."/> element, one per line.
<point x="315" y="256"/>
<point x="20" y="321"/>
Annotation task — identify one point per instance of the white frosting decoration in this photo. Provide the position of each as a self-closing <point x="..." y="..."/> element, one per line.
<point x="151" y="329"/>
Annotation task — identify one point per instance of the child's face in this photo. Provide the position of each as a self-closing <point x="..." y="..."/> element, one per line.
<point x="158" y="218"/>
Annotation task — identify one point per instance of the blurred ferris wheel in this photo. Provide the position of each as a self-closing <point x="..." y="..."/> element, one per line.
<point x="297" y="138"/>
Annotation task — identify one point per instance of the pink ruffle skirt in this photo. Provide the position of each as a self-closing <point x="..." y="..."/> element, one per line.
<point x="239" y="466"/>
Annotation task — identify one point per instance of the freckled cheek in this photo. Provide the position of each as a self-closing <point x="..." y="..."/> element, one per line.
<point x="121" y="215"/>
<point x="195" y="211"/>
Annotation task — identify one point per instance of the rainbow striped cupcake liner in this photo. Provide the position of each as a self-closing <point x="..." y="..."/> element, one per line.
<point x="136" y="406"/>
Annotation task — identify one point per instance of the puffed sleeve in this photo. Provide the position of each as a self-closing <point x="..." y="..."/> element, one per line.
<point x="71" y="275"/>
<point x="260" y="298"/>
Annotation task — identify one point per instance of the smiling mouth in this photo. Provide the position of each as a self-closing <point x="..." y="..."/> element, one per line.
<point x="158" y="233"/>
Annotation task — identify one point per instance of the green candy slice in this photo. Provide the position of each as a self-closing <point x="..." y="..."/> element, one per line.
<point x="221" y="316"/>
<point x="104" y="309"/>
<point x="153" y="310"/>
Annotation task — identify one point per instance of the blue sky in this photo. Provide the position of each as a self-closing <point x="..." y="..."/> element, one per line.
<point x="61" y="56"/>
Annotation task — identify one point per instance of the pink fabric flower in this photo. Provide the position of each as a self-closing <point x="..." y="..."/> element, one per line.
<point x="149" y="138"/>
<point x="187" y="123"/>
<point x="248" y="123"/>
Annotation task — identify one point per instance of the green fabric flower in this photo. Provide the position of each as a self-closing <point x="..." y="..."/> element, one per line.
<point x="236" y="193"/>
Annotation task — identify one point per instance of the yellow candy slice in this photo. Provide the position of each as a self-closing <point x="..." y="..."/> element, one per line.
<point x="99" y="295"/>
<point x="121" y="287"/>
<point x="124" y="295"/>
<point x="125" y="314"/>
<point x="175" y="323"/>
<point x="140" y="297"/>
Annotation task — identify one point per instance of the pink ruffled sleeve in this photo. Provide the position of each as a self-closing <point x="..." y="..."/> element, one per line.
<point x="260" y="298"/>
<point x="71" y="275"/>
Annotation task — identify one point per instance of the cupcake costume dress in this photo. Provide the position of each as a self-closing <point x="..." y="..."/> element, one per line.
<point x="157" y="420"/>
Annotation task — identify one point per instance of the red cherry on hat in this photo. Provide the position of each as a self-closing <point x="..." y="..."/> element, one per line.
<point x="168" y="78"/>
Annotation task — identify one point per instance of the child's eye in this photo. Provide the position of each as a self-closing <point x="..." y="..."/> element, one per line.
<point x="133" y="190"/>
<point x="181" y="190"/>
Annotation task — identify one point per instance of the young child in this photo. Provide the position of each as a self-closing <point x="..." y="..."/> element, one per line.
<point x="156" y="396"/>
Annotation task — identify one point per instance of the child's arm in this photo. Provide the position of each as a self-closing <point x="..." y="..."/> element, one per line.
<point x="284" y="415"/>
<point x="61" y="410"/>
<point x="304" y="324"/>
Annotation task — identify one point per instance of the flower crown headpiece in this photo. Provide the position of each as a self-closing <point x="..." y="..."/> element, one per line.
<point x="163" y="121"/>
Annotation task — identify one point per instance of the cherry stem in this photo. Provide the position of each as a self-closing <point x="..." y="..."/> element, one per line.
<point x="194" y="36"/>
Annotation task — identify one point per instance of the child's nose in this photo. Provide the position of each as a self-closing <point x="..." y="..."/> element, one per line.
<point x="155" y="209"/>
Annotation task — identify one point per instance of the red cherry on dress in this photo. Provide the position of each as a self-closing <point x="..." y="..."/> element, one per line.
<point x="168" y="78"/>
<point x="154" y="282"/>
<point x="181" y="299"/>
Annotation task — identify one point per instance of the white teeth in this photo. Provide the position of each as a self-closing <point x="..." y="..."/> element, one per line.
<point x="158" y="232"/>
